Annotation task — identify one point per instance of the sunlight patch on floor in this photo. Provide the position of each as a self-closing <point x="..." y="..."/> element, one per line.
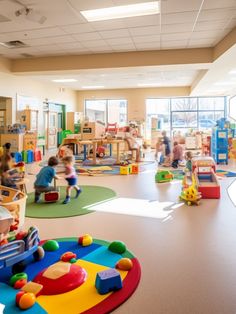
<point x="231" y="192"/>
<point x="135" y="207"/>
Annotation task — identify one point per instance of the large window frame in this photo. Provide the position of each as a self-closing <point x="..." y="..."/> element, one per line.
<point x="193" y="106"/>
<point x="123" y="110"/>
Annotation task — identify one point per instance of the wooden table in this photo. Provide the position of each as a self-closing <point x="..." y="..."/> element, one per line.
<point x="94" y="144"/>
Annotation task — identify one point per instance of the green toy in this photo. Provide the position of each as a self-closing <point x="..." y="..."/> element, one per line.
<point x="163" y="176"/>
<point x="51" y="245"/>
<point x="117" y="247"/>
<point x="17" y="277"/>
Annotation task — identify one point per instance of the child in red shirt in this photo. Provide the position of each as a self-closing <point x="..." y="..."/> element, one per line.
<point x="177" y="154"/>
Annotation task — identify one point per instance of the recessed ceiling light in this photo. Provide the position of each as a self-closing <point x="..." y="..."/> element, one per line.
<point x="64" y="80"/>
<point x="149" y="84"/>
<point x="138" y="9"/>
<point x="92" y="86"/>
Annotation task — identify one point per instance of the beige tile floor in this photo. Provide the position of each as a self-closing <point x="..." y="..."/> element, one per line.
<point x="188" y="255"/>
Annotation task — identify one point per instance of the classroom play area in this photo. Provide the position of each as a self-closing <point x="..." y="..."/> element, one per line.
<point x="117" y="157"/>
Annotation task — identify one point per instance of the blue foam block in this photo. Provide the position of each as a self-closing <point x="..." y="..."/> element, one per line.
<point x="103" y="256"/>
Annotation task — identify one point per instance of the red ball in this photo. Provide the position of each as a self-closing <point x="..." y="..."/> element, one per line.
<point x="18" y="296"/>
<point x="20" y="283"/>
<point x="66" y="257"/>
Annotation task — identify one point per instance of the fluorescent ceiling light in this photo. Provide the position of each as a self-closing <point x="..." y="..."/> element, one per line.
<point x="232" y="72"/>
<point x="64" y="80"/>
<point x="92" y="87"/>
<point x="149" y="84"/>
<point x="138" y="9"/>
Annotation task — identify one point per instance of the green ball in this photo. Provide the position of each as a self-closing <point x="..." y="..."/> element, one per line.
<point x="73" y="260"/>
<point x="16" y="277"/>
<point x="51" y="245"/>
<point x="117" y="247"/>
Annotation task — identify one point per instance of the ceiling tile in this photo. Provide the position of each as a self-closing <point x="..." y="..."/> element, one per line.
<point x="148" y="30"/>
<point x="91" y="4"/>
<point x="218" y="4"/>
<point x="101" y="49"/>
<point x="146" y="39"/>
<point x="180" y="6"/>
<point x="148" y="46"/>
<point x="142" y="21"/>
<point x="70" y="46"/>
<point x="176" y="28"/>
<point x="230" y="24"/>
<point x="49" y="40"/>
<point x="87" y="36"/>
<point x="183" y="17"/>
<point x="201" y="41"/>
<point x="175" y="36"/>
<point x="216" y="14"/>
<point x="205" y="34"/>
<point x="78" y="28"/>
<point x="107" y="25"/>
<point x="94" y="43"/>
<point x="177" y="44"/>
<point x="123" y="47"/>
<point x="119" y="41"/>
<point x="115" y="33"/>
<point x="209" y="25"/>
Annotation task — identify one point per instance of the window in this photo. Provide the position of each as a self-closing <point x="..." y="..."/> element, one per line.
<point x="184" y="113"/>
<point x="107" y="111"/>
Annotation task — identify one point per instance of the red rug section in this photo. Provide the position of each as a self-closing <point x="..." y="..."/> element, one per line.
<point x="130" y="283"/>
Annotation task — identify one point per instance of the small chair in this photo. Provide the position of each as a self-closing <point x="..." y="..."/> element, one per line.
<point x="133" y="149"/>
<point x="112" y="128"/>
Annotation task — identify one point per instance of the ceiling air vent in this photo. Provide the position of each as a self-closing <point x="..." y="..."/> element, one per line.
<point x="14" y="44"/>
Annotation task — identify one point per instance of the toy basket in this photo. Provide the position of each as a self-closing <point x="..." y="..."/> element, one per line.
<point x="15" y="202"/>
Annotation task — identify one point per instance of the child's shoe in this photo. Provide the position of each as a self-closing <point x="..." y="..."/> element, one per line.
<point x="37" y="199"/>
<point x="66" y="200"/>
<point x="78" y="193"/>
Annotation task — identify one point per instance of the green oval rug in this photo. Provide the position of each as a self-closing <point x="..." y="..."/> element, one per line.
<point x="91" y="194"/>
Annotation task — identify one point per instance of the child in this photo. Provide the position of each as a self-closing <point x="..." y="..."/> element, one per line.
<point x="188" y="157"/>
<point x="8" y="175"/>
<point x="166" y="142"/>
<point x="159" y="155"/>
<point x="177" y="154"/>
<point x="71" y="178"/>
<point x="44" y="178"/>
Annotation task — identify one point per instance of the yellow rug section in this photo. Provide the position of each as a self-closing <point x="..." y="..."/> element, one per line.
<point x="79" y="299"/>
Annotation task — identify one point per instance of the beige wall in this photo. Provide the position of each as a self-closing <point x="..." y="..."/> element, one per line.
<point x="11" y="85"/>
<point x="135" y="97"/>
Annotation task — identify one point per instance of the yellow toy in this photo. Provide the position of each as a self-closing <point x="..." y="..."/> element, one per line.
<point x="190" y="194"/>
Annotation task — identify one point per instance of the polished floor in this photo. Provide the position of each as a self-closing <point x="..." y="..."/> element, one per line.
<point x="187" y="254"/>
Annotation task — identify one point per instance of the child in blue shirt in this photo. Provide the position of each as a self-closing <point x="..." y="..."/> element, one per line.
<point x="44" y="178"/>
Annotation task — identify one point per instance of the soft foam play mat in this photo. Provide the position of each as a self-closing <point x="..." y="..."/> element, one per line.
<point x="91" y="194"/>
<point x="73" y="291"/>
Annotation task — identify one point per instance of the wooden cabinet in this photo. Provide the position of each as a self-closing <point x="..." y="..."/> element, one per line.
<point x="16" y="141"/>
<point x="74" y="120"/>
<point x="29" y="118"/>
<point x="30" y="141"/>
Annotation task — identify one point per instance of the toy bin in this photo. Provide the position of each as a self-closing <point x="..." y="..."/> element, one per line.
<point x="15" y="202"/>
<point x="24" y="156"/>
<point x="18" y="157"/>
<point x="30" y="156"/>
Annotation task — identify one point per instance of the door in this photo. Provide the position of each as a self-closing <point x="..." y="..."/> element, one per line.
<point x="52" y="130"/>
<point x="59" y="127"/>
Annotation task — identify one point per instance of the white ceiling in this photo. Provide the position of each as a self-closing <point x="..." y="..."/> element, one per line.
<point x="180" y="24"/>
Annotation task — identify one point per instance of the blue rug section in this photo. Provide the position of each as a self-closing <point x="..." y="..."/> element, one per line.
<point x="7" y="297"/>
<point x="33" y="268"/>
<point x="228" y="174"/>
<point x="103" y="256"/>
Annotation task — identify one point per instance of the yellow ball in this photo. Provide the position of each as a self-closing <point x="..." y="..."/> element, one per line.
<point x="124" y="264"/>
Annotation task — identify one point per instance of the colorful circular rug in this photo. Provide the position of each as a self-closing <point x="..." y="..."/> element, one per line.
<point x="91" y="194"/>
<point x="81" y="299"/>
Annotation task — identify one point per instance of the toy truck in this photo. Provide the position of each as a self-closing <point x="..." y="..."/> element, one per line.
<point x="16" y="252"/>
